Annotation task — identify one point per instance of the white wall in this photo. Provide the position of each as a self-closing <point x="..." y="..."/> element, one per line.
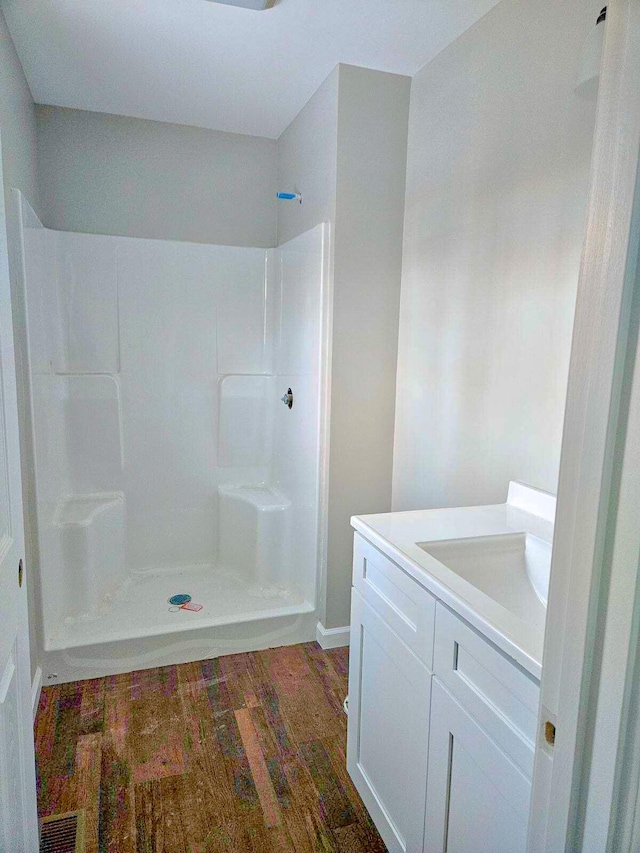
<point x="105" y="174"/>
<point x="346" y="153"/>
<point x="499" y="154"/>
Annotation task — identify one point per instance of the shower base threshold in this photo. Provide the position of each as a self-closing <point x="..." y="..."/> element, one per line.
<point x="140" y="609"/>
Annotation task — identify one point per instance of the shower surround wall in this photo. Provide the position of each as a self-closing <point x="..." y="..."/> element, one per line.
<point x="164" y="459"/>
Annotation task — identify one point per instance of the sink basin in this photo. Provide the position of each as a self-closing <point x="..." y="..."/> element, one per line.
<point x="512" y="568"/>
<point x="490" y="564"/>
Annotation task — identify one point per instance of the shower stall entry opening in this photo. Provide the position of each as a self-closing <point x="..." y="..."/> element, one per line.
<point x="164" y="461"/>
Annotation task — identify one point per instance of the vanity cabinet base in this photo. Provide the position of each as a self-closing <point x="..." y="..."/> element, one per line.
<point x="442" y="722"/>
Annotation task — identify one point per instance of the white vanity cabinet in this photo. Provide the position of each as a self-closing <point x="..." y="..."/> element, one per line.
<point x="392" y="620"/>
<point x="442" y="723"/>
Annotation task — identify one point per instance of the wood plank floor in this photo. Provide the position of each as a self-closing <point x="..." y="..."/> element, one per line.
<point x="243" y="753"/>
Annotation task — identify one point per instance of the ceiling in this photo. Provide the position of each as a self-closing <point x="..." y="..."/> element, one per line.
<point x="218" y="66"/>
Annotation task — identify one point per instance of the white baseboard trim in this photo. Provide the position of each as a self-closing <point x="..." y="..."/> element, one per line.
<point x="36" y="687"/>
<point x="332" y="638"/>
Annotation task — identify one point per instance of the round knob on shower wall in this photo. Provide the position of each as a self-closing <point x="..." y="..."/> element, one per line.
<point x="288" y="398"/>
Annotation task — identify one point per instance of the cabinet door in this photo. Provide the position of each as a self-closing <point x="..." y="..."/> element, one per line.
<point x="389" y="694"/>
<point x="477" y="799"/>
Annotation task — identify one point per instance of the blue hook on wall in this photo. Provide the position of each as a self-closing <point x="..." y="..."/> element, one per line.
<point x="290" y="196"/>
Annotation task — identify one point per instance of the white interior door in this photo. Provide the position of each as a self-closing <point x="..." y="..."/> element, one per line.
<point x="591" y="630"/>
<point x="18" y="814"/>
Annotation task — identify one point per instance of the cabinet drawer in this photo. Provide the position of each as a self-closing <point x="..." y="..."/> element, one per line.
<point x="494" y="689"/>
<point x="406" y="606"/>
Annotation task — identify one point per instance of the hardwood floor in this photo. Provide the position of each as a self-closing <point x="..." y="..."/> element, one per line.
<point x="243" y="753"/>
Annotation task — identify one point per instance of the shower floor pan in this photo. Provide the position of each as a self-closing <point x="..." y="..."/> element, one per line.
<point x="140" y="608"/>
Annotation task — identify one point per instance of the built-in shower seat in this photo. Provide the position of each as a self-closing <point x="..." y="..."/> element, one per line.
<point x="90" y="532"/>
<point x="254" y="533"/>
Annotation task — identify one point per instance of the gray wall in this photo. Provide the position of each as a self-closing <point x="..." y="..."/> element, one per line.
<point x="308" y="162"/>
<point x="18" y="130"/>
<point x="17" y="122"/>
<point x="107" y="174"/>
<point x="498" y="167"/>
<point x="346" y="153"/>
<point x="373" y="115"/>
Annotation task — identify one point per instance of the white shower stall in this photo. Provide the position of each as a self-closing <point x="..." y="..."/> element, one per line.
<point x="165" y="459"/>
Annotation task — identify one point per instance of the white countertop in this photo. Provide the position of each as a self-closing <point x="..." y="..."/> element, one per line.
<point x="512" y="616"/>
